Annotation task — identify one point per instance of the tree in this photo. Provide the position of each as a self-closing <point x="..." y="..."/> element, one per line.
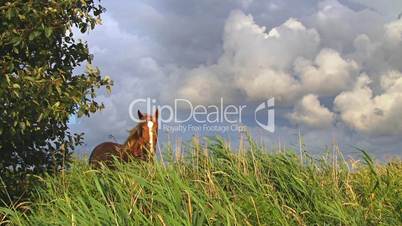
<point x="39" y="88"/>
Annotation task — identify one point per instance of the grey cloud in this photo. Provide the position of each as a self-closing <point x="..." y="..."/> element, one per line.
<point x="388" y="9"/>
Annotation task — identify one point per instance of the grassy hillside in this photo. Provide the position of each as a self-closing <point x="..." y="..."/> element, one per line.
<point x="213" y="185"/>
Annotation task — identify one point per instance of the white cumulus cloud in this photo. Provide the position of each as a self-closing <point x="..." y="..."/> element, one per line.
<point x="254" y="62"/>
<point x="373" y="114"/>
<point x="328" y="75"/>
<point x="308" y="111"/>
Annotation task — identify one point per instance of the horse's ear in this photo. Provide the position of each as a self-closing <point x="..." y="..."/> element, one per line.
<point x="140" y="115"/>
<point x="156" y="114"/>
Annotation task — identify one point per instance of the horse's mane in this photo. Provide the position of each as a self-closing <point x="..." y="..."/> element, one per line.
<point x="133" y="133"/>
<point x="133" y="138"/>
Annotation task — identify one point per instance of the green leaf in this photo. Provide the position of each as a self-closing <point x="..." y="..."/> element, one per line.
<point x="48" y="32"/>
<point x="56" y="105"/>
<point x="58" y="90"/>
<point x="22" y="125"/>
<point x="32" y="35"/>
<point x="7" y="78"/>
<point x="29" y="78"/>
<point x="16" y="93"/>
<point x="16" y="40"/>
<point x="40" y="117"/>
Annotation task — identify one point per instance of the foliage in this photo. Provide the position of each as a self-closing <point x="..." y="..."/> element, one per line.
<point x="39" y="89"/>
<point x="214" y="185"/>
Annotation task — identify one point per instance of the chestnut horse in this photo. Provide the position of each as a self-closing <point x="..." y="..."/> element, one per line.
<point x="139" y="144"/>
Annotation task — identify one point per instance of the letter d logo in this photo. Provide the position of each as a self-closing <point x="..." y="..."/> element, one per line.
<point x="269" y="105"/>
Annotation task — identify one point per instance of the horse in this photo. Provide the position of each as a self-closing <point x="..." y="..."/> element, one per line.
<point x="140" y="143"/>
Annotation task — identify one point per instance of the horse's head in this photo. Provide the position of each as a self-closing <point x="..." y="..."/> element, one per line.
<point x="148" y="127"/>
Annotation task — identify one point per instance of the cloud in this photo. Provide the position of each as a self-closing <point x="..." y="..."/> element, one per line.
<point x="247" y="44"/>
<point x="203" y="85"/>
<point x="254" y="62"/>
<point x="328" y="74"/>
<point x="310" y="112"/>
<point x="394" y="31"/>
<point x="284" y="63"/>
<point x="373" y="114"/>
<point x="389" y="9"/>
<point x="338" y="24"/>
<point x="188" y="32"/>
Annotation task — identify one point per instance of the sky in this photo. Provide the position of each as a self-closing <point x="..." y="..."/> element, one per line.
<point x="333" y="66"/>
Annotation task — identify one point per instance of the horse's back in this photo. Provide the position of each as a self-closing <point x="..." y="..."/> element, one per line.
<point x="104" y="152"/>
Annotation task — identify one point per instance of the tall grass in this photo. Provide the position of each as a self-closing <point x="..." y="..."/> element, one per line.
<point x="211" y="184"/>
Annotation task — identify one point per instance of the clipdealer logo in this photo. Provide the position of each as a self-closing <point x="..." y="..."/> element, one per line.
<point x="183" y="111"/>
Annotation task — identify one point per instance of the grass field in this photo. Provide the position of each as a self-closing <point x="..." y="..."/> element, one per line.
<point x="214" y="185"/>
